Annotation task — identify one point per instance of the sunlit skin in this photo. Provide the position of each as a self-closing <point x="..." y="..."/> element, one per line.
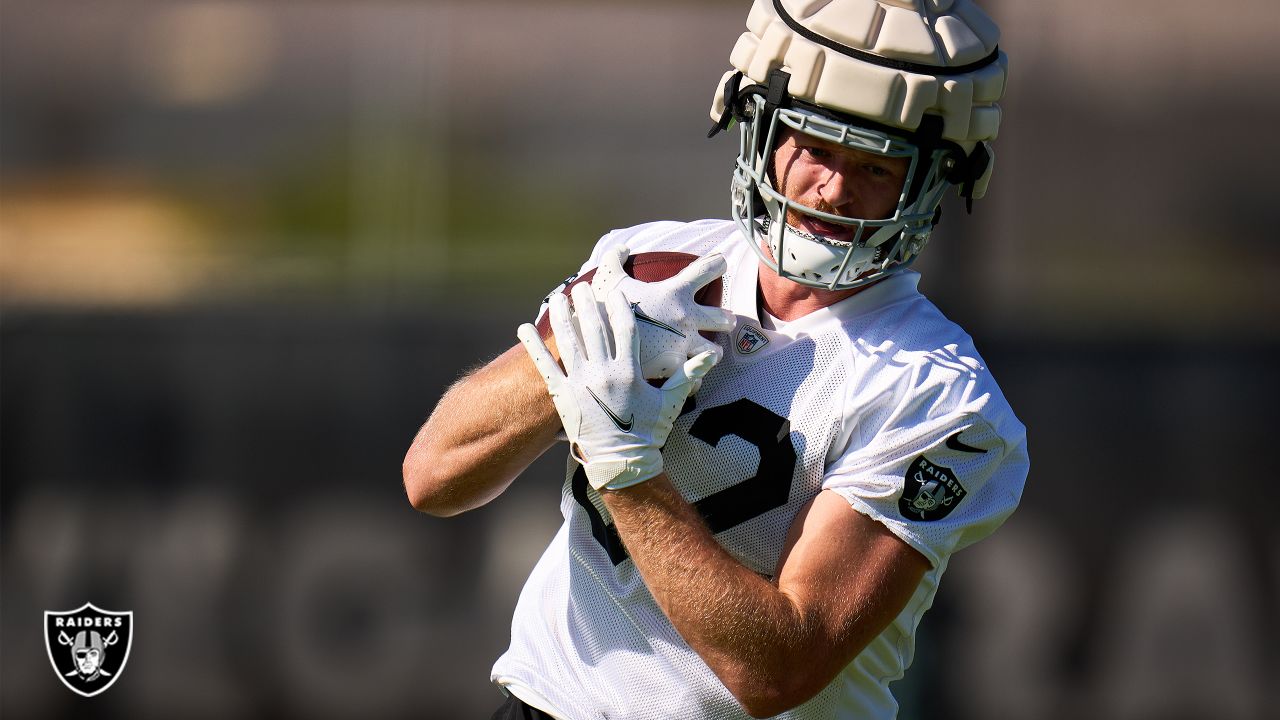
<point x="832" y="179"/>
<point x="773" y="641"/>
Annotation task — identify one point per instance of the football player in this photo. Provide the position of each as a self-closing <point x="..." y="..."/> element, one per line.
<point x="760" y="533"/>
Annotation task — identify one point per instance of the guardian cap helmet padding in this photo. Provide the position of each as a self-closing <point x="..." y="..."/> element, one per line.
<point x="915" y="79"/>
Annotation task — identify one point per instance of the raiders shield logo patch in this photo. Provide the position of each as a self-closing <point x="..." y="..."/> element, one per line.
<point x="750" y="340"/>
<point x="931" y="491"/>
<point x="88" y="647"/>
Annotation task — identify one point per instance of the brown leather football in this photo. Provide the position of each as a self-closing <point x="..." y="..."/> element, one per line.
<point x="651" y="267"/>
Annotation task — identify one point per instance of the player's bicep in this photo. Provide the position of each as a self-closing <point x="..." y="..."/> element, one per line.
<point x="848" y="575"/>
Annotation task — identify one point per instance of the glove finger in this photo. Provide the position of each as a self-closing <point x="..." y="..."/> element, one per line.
<point x="701" y="345"/>
<point x="541" y="356"/>
<point x="692" y="371"/>
<point x="705" y="345"/>
<point x="699" y="365"/>
<point x="566" y="335"/>
<point x="595" y="333"/>
<point x="702" y="271"/>
<point x="622" y="320"/>
<point x="609" y="273"/>
<point x="716" y="319"/>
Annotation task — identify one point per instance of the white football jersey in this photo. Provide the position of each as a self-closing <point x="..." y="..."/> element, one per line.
<point x="879" y="398"/>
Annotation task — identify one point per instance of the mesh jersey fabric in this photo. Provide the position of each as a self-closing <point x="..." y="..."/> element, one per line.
<point x="851" y="398"/>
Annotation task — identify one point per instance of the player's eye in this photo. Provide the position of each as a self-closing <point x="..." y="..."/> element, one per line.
<point x="876" y="170"/>
<point x="817" y="153"/>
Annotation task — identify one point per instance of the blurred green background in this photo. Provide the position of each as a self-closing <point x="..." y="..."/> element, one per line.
<point x="244" y="246"/>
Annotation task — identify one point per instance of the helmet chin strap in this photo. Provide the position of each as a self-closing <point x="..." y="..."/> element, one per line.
<point x="821" y="262"/>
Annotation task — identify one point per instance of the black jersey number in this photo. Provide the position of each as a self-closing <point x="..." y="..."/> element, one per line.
<point x="768" y="489"/>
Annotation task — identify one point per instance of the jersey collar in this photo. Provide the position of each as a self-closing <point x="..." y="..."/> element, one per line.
<point x="743" y="287"/>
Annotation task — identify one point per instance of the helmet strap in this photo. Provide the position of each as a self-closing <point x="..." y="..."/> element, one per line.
<point x="975" y="165"/>
<point x="731" y="109"/>
<point x="776" y="95"/>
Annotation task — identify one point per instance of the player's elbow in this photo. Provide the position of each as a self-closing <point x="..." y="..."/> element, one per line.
<point x="766" y="697"/>
<point x="766" y="702"/>
<point x="763" y="708"/>
<point x="443" y="483"/>
<point x="427" y="488"/>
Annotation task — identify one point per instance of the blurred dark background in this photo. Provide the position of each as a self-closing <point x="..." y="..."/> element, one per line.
<point x="244" y="246"/>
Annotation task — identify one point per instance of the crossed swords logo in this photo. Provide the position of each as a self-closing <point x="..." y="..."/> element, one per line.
<point x="89" y="658"/>
<point x="88" y="647"/>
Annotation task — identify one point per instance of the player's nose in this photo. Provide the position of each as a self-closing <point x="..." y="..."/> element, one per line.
<point x="836" y="188"/>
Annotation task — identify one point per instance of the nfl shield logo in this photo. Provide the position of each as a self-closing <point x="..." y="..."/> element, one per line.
<point x="88" y="646"/>
<point x="750" y="340"/>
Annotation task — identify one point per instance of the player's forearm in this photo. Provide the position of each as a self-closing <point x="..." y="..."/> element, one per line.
<point x="750" y="633"/>
<point x="484" y="432"/>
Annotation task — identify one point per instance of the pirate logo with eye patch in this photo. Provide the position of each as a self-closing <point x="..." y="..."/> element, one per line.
<point x="930" y="492"/>
<point x="88" y="647"/>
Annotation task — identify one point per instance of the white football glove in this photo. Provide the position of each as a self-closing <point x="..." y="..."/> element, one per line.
<point x="616" y="421"/>
<point x="667" y="317"/>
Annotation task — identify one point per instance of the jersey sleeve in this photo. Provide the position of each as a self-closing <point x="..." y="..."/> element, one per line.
<point x="938" y="483"/>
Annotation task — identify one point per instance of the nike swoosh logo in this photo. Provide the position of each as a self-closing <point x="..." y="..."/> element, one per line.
<point x="954" y="443"/>
<point x="623" y="425"/>
<point x="635" y="308"/>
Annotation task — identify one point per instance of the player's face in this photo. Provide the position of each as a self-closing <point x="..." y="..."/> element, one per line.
<point x="837" y="180"/>
<point x="87" y="660"/>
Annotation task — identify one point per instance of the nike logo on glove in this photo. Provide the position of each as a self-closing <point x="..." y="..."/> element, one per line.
<point x="623" y="425"/>
<point x="635" y="308"/>
<point x="954" y="443"/>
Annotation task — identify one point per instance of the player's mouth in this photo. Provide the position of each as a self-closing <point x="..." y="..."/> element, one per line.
<point x="828" y="230"/>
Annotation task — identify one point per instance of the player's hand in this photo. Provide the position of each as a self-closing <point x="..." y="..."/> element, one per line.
<point x="616" y="422"/>
<point x="668" y="319"/>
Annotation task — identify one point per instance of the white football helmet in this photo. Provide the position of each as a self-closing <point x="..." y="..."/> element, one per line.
<point x="914" y="79"/>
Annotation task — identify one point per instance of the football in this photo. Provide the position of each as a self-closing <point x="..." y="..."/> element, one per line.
<point x="657" y="356"/>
